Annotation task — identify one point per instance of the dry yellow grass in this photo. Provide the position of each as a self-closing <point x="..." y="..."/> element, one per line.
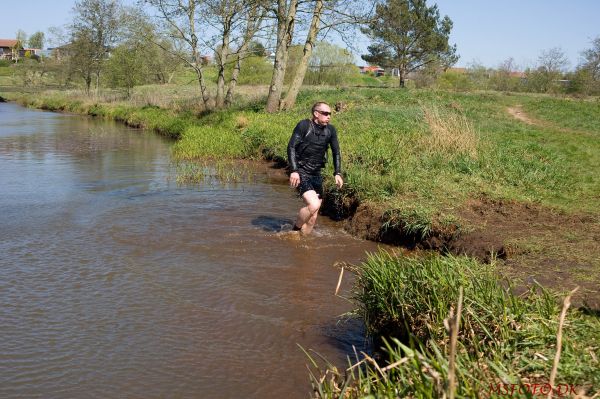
<point x="450" y="133"/>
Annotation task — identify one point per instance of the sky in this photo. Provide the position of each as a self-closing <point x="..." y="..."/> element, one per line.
<point x="485" y="31"/>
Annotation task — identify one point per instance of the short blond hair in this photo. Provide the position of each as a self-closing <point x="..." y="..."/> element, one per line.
<point x="314" y="107"/>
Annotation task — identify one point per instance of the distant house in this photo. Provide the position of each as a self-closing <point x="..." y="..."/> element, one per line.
<point x="457" y="70"/>
<point x="376" y="70"/>
<point x="8" y="49"/>
<point x="30" y="52"/>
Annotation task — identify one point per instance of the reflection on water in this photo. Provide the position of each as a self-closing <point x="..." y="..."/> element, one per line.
<point x="117" y="282"/>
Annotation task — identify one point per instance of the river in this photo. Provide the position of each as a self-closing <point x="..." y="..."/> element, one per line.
<point x="117" y="281"/>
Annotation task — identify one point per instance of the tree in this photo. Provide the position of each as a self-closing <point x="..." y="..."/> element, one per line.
<point x="126" y="67"/>
<point x="588" y="72"/>
<point x="37" y="40"/>
<point x="311" y="37"/>
<point x="257" y="49"/>
<point x="592" y="59"/>
<point x="224" y="26"/>
<point x="320" y="18"/>
<point x="503" y="79"/>
<point x="408" y="35"/>
<point x="479" y="75"/>
<point x="330" y="64"/>
<point x="83" y="57"/>
<point x="21" y="40"/>
<point x="129" y="62"/>
<point x="158" y="56"/>
<point x="552" y="63"/>
<point x="236" y="22"/>
<point x="95" y="29"/>
<point x="285" y="15"/>
<point x="255" y="13"/>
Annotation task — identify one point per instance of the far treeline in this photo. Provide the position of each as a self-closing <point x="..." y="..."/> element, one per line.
<point x="218" y="44"/>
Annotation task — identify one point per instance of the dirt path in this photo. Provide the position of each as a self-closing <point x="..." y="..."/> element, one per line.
<point x="518" y="113"/>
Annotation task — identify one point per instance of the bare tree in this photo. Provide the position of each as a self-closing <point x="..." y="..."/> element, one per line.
<point x="340" y="16"/>
<point x="311" y="37"/>
<point x="553" y="61"/>
<point x="236" y="22"/>
<point x="591" y="61"/>
<point x="224" y="26"/>
<point x="184" y="23"/>
<point x="255" y="15"/>
<point x="324" y="15"/>
<point x="21" y="40"/>
<point x="502" y="79"/>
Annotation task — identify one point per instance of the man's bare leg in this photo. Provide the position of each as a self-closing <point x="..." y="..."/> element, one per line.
<point x="307" y="216"/>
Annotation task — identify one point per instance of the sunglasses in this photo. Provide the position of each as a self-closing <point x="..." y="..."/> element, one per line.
<point x="323" y="112"/>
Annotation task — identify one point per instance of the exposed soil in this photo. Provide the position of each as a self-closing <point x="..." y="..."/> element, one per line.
<point x="531" y="243"/>
<point x="517" y="113"/>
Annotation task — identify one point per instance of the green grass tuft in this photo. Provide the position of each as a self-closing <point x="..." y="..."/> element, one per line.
<point x="503" y="338"/>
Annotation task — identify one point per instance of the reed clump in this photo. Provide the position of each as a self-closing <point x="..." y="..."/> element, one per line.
<point x="504" y="340"/>
<point x="450" y="133"/>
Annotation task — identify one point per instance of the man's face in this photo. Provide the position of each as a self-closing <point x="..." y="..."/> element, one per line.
<point x="322" y="114"/>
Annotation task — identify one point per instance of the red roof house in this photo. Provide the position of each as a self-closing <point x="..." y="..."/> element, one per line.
<point x="8" y="48"/>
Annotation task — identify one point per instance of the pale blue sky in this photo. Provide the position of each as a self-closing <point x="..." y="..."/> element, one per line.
<point x="488" y="31"/>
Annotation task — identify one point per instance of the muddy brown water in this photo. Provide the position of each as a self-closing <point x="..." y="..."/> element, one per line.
<point x="115" y="281"/>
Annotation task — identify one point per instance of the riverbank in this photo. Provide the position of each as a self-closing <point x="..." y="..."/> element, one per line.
<point x="450" y="329"/>
<point x="453" y="172"/>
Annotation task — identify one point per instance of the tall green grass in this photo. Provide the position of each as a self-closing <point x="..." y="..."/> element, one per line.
<point x="503" y="338"/>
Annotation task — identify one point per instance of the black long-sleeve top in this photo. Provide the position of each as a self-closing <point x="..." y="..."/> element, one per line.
<point x="308" y="146"/>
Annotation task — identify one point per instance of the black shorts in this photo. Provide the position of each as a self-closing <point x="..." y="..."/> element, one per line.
<point x="311" y="182"/>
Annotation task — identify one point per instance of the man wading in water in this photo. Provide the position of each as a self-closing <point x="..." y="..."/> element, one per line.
<point x="306" y="156"/>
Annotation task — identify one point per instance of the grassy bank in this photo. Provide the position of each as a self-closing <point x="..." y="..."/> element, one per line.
<point x="504" y="342"/>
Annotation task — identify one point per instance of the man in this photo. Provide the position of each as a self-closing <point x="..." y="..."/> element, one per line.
<point x="306" y="157"/>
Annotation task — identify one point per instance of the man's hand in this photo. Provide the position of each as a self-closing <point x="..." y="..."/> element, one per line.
<point x="294" y="179"/>
<point x="339" y="181"/>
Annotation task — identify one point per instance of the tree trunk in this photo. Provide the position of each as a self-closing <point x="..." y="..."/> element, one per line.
<point x="202" y="84"/>
<point x="97" y="82"/>
<point x="402" y="73"/>
<point x="222" y="55"/>
<point x="286" y="17"/>
<point x="253" y="23"/>
<point x="292" y="94"/>
<point x="196" y="54"/>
